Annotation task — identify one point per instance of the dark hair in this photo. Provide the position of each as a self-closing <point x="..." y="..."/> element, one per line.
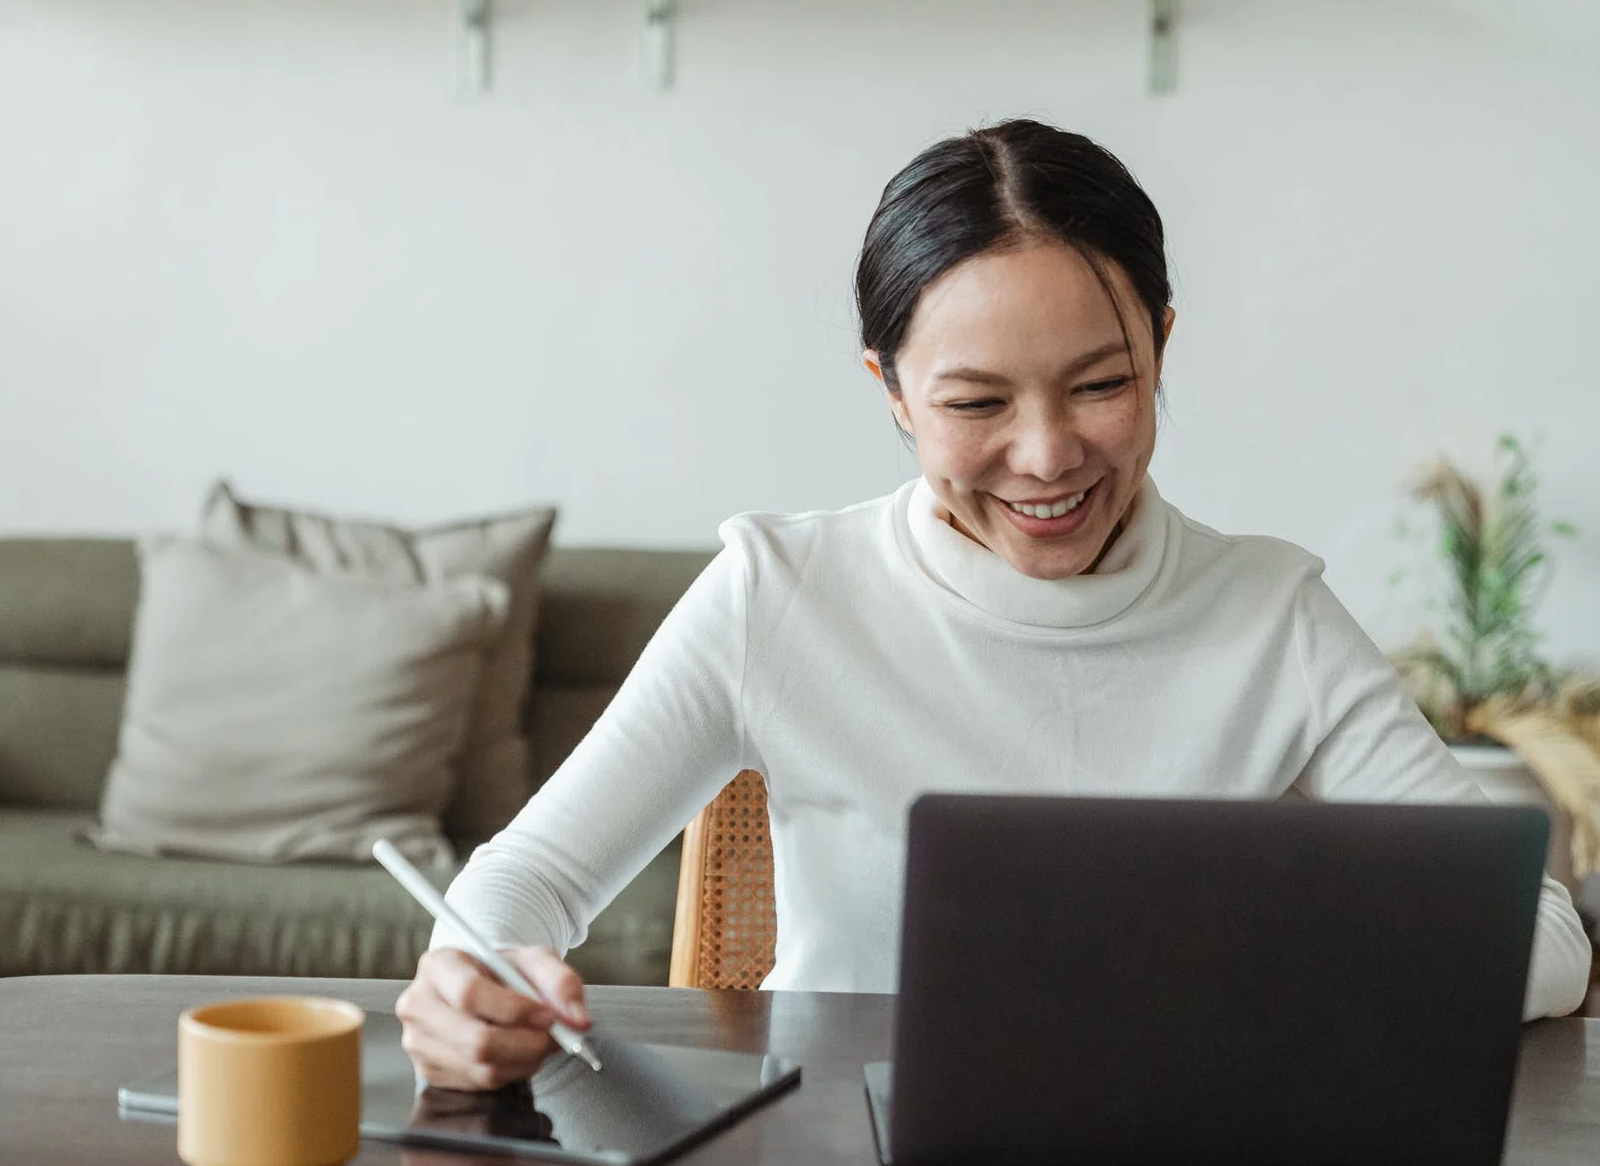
<point x="997" y="187"/>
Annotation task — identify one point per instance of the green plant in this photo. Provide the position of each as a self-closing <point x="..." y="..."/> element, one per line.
<point x="1486" y="680"/>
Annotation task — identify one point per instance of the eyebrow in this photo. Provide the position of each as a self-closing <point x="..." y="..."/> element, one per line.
<point x="1078" y="364"/>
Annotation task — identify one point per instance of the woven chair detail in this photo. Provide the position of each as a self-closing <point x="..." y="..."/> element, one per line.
<point x="726" y="927"/>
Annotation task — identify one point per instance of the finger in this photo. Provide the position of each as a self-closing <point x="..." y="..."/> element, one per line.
<point x="458" y="1051"/>
<point x="435" y="1071"/>
<point x="491" y="1044"/>
<point x="426" y="1052"/>
<point x="441" y="1063"/>
<point x="555" y="981"/>
<point x="429" y="1016"/>
<point x="457" y="1078"/>
<point x="471" y="989"/>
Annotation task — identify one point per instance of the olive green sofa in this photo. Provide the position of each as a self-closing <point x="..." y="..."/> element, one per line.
<point x="66" y="615"/>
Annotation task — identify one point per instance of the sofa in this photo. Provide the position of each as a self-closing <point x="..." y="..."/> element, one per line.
<point x="66" y="618"/>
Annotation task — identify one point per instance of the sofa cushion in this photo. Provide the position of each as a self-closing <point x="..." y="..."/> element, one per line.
<point x="58" y="733"/>
<point x="66" y="907"/>
<point x="601" y="605"/>
<point x="67" y="602"/>
<point x="491" y="773"/>
<point x="276" y="714"/>
<point x="559" y="719"/>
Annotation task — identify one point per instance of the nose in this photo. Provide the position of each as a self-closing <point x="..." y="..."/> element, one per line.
<point x="1045" y="445"/>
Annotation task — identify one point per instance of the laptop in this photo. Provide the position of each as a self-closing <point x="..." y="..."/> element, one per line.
<point x="1133" y="982"/>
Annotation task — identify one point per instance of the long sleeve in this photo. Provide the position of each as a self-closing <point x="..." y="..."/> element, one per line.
<point x="669" y="741"/>
<point x="1375" y="745"/>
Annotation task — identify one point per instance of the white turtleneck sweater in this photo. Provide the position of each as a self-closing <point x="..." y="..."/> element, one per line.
<point x="861" y="657"/>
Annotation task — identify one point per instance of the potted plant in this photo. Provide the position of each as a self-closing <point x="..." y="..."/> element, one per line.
<point x="1506" y="712"/>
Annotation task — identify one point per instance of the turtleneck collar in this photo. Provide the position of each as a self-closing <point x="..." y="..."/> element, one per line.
<point x="985" y="580"/>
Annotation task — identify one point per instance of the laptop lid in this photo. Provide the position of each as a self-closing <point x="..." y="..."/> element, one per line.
<point x="1134" y="982"/>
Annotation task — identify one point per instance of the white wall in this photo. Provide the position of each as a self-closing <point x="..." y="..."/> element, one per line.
<point x="268" y="239"/>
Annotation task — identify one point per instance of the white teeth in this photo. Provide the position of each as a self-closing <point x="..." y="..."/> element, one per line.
<point x="1054" y="510"/>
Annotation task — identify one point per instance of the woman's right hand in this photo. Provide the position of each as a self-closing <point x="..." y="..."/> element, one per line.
<point x="464" y="1029"/>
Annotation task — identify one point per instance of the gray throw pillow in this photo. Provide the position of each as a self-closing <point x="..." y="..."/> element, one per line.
<point x="276" y="714"/>
<point x="491" y="774"/>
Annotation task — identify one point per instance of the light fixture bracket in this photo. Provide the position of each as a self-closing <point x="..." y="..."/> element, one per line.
<point x="474" y="49"/>
<point x="660" y="19"/>
<point x="1163" y="76"/>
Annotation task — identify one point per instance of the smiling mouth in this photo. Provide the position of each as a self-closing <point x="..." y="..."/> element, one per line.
<point x="1055" y="509"/>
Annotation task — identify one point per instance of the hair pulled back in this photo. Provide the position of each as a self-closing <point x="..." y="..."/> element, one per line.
<point x="1004" y="186"/>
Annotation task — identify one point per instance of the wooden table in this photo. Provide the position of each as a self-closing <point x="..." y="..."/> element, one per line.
<point x="67" y="1042"/>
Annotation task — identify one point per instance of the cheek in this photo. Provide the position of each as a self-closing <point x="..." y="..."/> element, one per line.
<point x="1126" y="428"/>
<point x="958" y="453"/>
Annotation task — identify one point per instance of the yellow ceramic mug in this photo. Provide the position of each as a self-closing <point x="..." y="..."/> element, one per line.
<point x="269" y="1082"/>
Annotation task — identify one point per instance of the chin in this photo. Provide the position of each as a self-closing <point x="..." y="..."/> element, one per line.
<point x="1047" y="568"/>
<point x="1052" y="572"/>
<point x="1074" y="555"/>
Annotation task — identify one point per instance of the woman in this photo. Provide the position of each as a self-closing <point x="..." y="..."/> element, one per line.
<point x="1030" y="616"/>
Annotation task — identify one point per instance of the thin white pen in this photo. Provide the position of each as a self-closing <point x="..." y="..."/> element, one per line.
<point x="423" y="892"/>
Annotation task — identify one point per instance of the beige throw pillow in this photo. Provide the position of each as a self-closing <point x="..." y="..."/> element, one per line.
<point x="275" y="714"/>
<point x="491" y="775"/>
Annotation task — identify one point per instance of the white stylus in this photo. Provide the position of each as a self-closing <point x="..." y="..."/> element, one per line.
<point x="423" y="892"/>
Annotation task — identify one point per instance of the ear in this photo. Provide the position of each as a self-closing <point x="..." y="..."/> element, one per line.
<point x="1166" y="334"/>
<point x="897" y="404"/>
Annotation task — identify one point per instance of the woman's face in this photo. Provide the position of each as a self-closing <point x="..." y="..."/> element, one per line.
<point x="1033" y="422"/>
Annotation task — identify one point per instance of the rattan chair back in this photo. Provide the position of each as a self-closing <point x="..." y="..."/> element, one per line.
<point x="726" y="929"/>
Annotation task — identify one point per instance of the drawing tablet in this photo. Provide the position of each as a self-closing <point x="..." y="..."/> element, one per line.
<point x="648" y="1103"/>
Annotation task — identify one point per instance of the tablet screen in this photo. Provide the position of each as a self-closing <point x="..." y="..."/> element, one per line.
<point x="648" y="1102"/>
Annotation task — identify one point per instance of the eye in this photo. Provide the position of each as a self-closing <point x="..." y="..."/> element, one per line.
<point x="979" y="406"/>
<point x="1105" y="386"/>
